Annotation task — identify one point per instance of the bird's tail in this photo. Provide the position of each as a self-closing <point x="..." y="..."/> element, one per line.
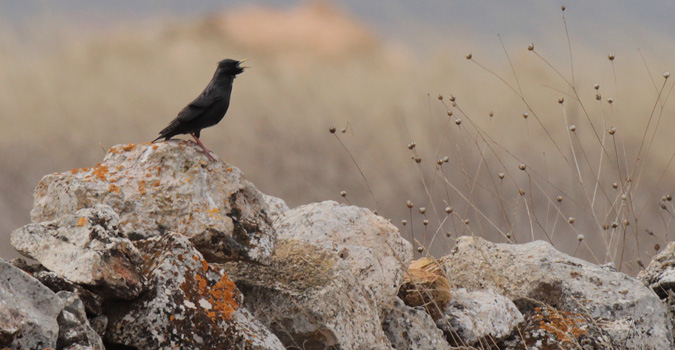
<point x="155" y="140"/>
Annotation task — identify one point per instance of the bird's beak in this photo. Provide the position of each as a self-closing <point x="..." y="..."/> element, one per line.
<point x="242" y="61"/>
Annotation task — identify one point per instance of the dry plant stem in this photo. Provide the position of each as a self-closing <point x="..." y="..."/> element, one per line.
<point x="359" y="169"/>
<point x="513" y="69"/>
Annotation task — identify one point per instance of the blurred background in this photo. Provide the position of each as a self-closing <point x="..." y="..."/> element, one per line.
<point x="79" y="76"/>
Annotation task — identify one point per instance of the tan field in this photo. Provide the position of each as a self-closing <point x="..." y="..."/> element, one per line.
<point x="64" y="104"/>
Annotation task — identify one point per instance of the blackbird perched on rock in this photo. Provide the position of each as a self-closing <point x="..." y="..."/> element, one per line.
<point x="209" y="107"/>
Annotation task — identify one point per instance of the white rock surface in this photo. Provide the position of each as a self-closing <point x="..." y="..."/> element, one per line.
<point x="309" y="297"/>
<point x="28" y="311"/>
<point x="87" y="248"/>
<point x="472" y="316"/>
<point x="537" y="274"/>
<point x="373" y="247"/>
<point x="167" y="187"/>
<point x="412" y="328"/>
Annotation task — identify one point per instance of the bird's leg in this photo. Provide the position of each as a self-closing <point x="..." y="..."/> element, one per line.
<point x="208" y="153"/>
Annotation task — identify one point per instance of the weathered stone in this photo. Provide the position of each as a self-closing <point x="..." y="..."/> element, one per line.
<point x="92" y="302"/>
<point x="660" y="273"/>
<point x="426" y="284"/>
<point x="472" y="316"/>
<point x="536" y="274"/>
<point x="28" y="311"/>
<point x="87" y="248"/>
<point x="372" y="246"/>
<point x="412" y="328"/>
<point x="74" y="329"/>
<point x="189" y="305"/>
<point x="309" y="297"/>
<point x="276" y="206"/>
<point x="167" y="187"/>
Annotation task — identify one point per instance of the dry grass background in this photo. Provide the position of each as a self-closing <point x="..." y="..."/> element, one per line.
<point x="63" y="104"/>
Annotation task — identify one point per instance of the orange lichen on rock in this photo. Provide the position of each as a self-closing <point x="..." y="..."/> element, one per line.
<point x="114" y="188"/>
<point x="129" y="147"/>
<point x="566" y="326"/>
<point x="141" y="187"/>
<point x="223" y="297"/>
<point x="100" y="172"/>
<point x="81" y="222"/>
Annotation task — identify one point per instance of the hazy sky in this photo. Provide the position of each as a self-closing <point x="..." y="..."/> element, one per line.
<point x="420" y="23"/>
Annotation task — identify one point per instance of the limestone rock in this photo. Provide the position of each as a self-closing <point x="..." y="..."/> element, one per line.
<point x="372" y="246"/>
<point x="167" y="187"/>
<point x="472" y="316"/>
<point x="309" y="297"/>
<point x="74" y="329"/>
<point x="660" y="273"/>
<point x="87" y="248"/>
<point x="189" y="305"/>
<point x="28" y="311"/>
<point x="535" y="274"/>
<point x="412" y="328"/>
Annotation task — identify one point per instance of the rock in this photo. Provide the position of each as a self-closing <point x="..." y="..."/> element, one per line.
<point x="372" y="246"/>
<point x="426" y="284"/>
<point x="74" y="329"/>
<point x="412" y="328"/>
<point x="309" y="297"/>
<point x="276" y="206"/>
<point x="535" y="274"/>
<point x="87" y="248"/>
<point x="92" y="302"/>
<point x="167" y="187"/>
<point x="28" y="311"/>
<point x="473" y="316"/>
<point x="188" y="305"/>
<point x="660" y="273"/>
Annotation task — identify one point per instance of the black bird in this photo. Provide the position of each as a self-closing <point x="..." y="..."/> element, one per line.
<point x="209" y="108"/>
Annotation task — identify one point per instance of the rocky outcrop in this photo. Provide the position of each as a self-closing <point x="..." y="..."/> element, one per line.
<point x="167" y="187"/>
<point x="157" y="248"/>
<point x="587" y="298"/>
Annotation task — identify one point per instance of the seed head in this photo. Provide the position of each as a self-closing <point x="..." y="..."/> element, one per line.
<point x="508" y="235"/>
<point x="626" y="222"/>
<point x="440" y="97"/>
<point x="598" y="97"/>
<point x="561" y="100"/>
<point x="570" y="220"/>
<point x="332" y="130"/>
<point x="562" y="7"/>
<point x="657" y="246"/>
<point x="446" y="159"/>
<point x="649" y="232"/>
<point x="612" y="130"/>
<point x="425" y="222"/>
<point x="623" y="196"/>
<point x="466" y="221"/>
<point x="343" y="193"/>
<point x="449" y="113"/>
<point x="559" y="199"/>
<point x="525" y="115"/>
<point x="469" y="56"/>
<point x="423" y="210"/>
<point x="522" y="166"/>
<point x="409" y="204"/>
<point x="449" y="210"/>
<point x="614" y="224"/>
<point x="580" y="237"/>
<point x="501" y="175"/>
<point x="521" y="192"/>
<point x="418" y="159"/>
<point x="491" y="114"/>
<point x="530" y="47"/>
<point x="458" y="121"/>
<point x="448" y="234"/>
<point x="611" y="57"/>
<point x="420" y="249"/>
<point x="343" y="130"/>
<point x="666" y="74"/>
<point x="596" y="86"/>
<point x="573" y="128"/>
<point x="439" y="162"/>
<point x="669" y="197"/>
<point x="663" y="206"/>
<point x="452" y="97"/>
<point x="411" y="145"/>
<point x="404" y="222"/>
<point x="610" y="100"/>
<point x="615" y="185"/>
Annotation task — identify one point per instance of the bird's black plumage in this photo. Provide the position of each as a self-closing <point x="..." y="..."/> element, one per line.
<point x="209" y="107"/>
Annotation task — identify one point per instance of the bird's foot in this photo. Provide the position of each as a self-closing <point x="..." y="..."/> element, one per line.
<point x="206" y="151"/>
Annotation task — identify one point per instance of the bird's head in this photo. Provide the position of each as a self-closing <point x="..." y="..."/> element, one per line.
<point x="231" y="67"/>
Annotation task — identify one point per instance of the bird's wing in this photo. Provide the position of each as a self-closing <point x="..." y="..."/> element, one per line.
<point x="203" y="102"/>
